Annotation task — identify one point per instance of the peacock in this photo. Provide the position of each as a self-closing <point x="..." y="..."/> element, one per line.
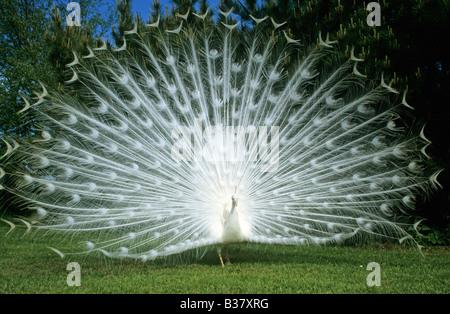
<point x="206" y="136"/>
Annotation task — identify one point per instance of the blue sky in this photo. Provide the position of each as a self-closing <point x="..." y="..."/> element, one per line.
<point x="143" y="6"/>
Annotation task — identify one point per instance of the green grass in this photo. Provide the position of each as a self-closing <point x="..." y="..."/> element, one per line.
<point x="28" y="266"/>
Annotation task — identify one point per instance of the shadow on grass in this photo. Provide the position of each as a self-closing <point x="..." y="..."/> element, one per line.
<point x="245" y="253"/>
<point x="265" y="255"/>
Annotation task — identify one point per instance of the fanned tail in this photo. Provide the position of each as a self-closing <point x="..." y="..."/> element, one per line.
<point x="156" y="143"/>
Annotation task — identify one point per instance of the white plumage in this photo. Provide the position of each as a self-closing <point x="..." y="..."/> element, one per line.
<point x="154" y="148"/>
<point x="232" y="232"/>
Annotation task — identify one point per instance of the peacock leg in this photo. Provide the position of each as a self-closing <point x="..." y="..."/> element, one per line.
<point x="219" y="251"/>
<point x="227" y="256"/>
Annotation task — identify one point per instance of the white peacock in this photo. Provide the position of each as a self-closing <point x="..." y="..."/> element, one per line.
<point x="212" y="137"/>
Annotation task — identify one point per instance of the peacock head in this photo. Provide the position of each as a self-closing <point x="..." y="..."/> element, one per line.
<point x="235" y="199"/>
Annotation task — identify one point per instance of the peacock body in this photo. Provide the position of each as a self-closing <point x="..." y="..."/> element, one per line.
<point x="209" y="138"/>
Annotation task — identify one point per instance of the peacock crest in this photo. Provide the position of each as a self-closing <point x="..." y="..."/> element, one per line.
<point x="212" y="137"/>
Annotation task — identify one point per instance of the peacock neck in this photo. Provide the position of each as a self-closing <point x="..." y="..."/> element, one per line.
<point x="233" y="207"/>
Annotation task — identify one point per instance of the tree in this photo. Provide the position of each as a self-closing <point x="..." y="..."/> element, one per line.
<point x="22" y="60"/>
<point x="35" y="45"/>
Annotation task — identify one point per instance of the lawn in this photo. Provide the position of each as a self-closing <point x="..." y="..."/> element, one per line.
<point x="28" y="266"/>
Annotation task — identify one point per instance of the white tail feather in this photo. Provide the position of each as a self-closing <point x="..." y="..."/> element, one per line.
<point x="11" y="225"/>
<point x="56" y="251"/>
